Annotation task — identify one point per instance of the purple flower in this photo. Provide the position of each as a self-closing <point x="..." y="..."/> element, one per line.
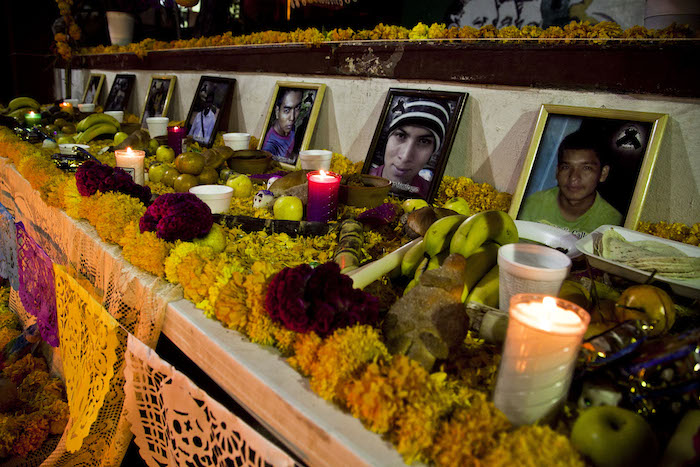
<point x="177" y="216"/>
<point x="320" y="300"/>
<point x="381" y="215"/>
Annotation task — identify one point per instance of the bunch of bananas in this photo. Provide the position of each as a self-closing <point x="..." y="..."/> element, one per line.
<point x="95" y="125"/>
<point x="477" y="238"/>
<point x="19" y="106"/>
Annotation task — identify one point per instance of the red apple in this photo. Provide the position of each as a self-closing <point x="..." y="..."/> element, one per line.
<point x="614" y="437"/>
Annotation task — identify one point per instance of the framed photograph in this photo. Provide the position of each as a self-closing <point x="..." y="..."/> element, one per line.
<point x="291" y="119"/>
<point x="210" y="102"/>
<point x="413" y="140"/>
<point x="120" y="93"/>
<point x="588" y="167"/>
<point x="93" y="89"/>
<point x="160" y="92"/>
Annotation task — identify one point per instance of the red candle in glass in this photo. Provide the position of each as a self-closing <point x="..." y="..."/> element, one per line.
<point x="175" y="136"/>
<point x="323" y="196"/>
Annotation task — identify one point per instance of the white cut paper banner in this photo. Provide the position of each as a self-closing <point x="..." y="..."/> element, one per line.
<point x="176" y="423"/>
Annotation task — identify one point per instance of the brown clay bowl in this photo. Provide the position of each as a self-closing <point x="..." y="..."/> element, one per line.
<point x="371" y="195"/>
<point x="249" y="161"/>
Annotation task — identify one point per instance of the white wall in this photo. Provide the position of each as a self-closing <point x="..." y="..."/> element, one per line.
<point x="492" y="139"/>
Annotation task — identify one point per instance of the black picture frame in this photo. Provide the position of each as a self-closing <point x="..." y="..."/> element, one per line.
<point x="629" y="139"/>
<point x="304" y="123"/>
<point x="158" y="97"/>
<point x="405" y="107"/>
<point x="212" y="97"/>
<point x="120" y="92"/>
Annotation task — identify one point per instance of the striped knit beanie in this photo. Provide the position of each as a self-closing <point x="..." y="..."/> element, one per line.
<point x="428" y="114"/>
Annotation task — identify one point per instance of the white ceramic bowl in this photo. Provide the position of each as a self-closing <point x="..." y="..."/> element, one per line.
<point x="237" y="141"/>
<point x="86" y="107"/>
<point x="217" y="197"/>
<point x="315" y="159"/>
<point x="67" y="148"/>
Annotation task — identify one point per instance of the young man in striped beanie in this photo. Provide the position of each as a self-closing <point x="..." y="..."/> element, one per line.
<point x="416" y="133"/>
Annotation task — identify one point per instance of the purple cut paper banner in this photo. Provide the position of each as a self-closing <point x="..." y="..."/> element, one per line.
<point x="37" y="290"/>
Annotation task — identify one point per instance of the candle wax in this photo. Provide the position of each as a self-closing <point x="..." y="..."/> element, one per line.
<point x="539" y="355"/>
<point x="132" y="162"/>
<point x="175" y="136"/>
<point x="322" y="202"/>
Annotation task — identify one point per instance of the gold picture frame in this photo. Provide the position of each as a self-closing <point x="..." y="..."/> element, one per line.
<point x="284" y="152"/>
<point x="158" y="97"/>
<point x="91" y="94"/>
<point x="631" y="141"/>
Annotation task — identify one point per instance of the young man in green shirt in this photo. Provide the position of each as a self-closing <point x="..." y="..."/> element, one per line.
<point x="575" y="204"/>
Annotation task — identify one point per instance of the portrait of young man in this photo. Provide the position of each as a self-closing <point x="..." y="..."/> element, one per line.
<point x="575" y="203"/>
<point x="288" y="123"/>
<point x="412" y="143"/>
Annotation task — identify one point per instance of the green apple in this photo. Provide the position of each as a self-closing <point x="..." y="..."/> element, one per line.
<point x="65" y="140"/>
<point x="241" y="184"/>
<point x="414" y="203"/>
<point x="681" y="450"/>
<point x="165" y="153"/>
<point x="614" y="437"/>
<point x="153" y="146"/>
<point x="288" y="208"/>
<point x="459" y="205"/>
<point x="156" y="171"/>
<point x="119" y="136"/>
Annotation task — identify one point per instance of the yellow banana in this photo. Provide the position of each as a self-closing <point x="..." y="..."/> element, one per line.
<point x="437" y="238"/>
<point x="486" y="290"/>
<point x="94" y="119"/>
<point x="95" y="131"/>
<point x="496" y="226"/>
<point x="412" y="259"/>
<point x="479" y="264"/>
<point x="413" y="283"/>
<point x="19" y="102"/>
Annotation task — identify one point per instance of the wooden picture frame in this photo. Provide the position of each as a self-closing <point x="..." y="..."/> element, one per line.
<point x="629" y="142"/>
<point x="301" y="118"/>
<point x="157" y="102"/>
<point x="92" y="91"/>
<point x="427" y="121"/>
<point x="210" y="103"/>
<point x="120" y="92"/>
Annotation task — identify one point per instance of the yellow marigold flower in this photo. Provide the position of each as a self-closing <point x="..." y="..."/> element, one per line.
<point x="470" y="434"/>
<point x="17" y="371"/>
<point x="372" y="399"/>
<point x="488" y="31"/>
<point x="343" y="353"/>
<point x="531" y="446"/>
<point x="509" y="32"/>
<point x="35" y="429"/>
<point x="437" y="31"/>
<point x="145" y="250"/>
<point x="305" y="352"/>
<point x="419" y="31"/>
<point x="112" y="212"/>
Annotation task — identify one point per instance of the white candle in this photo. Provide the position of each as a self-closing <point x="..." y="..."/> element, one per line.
<point x="539" y="355"/>
<point x="132" y="162"/>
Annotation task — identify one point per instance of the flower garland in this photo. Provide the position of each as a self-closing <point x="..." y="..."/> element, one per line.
<point x="598" y="33"/>
<point x="72" y="31"/>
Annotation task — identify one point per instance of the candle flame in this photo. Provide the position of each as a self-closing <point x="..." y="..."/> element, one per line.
<point x="323" y="173"/>
<point x="31" y="113"/>
<point x="176" y="128"/>
<point x="129" y="152"/>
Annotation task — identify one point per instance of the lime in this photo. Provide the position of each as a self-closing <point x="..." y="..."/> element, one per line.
<point x="190" y="163"/>
<point x="209" y="176"/>
<point x="169" y="176"/>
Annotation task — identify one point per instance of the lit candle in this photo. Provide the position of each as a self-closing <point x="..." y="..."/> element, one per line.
<point x="323" y="196"/>
<point x="132" y="162"/>
<point x="66" y="107"/>
<point x="539" y="355"/>
<point x="32" y="118"/>
<point x="175" y="137"/>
